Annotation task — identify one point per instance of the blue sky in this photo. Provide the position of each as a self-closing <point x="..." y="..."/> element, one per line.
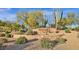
<point x="9" y="14"/>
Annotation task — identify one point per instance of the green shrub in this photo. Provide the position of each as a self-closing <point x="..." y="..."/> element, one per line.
<point x="45" y="43"/>
<point x="61" y="40"/>
<point x="21" y="40"/>
<point x="1" y="30"/>
<point x="62" y="28"/>
<point x="73" y="29"/>
<point x="22" y="30"/>
<point x="77" y="28"/>
<point x="9" y="35"/>
<point x="59" y="27"/>
<point x="7" y="32"/>
<point x="0" y="46"/>
<point x="53" y="43"/>
<point x="2" y="34"/>
<point x="3" y="40"/>
<point x="29" y="32"/>
<point x="67" y="31"/>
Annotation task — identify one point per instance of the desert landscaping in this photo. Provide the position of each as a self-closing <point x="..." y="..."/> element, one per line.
<point x="33" y="31"/>
<point x="71" y="43"/>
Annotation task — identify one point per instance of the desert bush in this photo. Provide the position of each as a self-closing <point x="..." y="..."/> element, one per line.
<point x="73" y="29"/>
<point x="59" y="27"/>
<point x="23" y="30"/>
<point x="3" y="40"/>
<point x="77" y="28"/>
<point x="0" y="46"/>
<point x="45" y="43"/>
<point x="2" y="34"/>
<point x="62" y="27"/>
<point x="67" y="31"/>
<point x="57" y="31"/>
<point x="32" y="33"/>
<point x="7" y="32"/>
<point x="29" y="32"/>
<point x="53" y="43"/>
<point x="61" y="40"/>
<point x="9" y="35"/>
<point x="1" y="30"/>
<point x="21" y="40"/>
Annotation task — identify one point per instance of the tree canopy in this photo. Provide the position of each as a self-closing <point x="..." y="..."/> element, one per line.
<point x="32" y="19"/>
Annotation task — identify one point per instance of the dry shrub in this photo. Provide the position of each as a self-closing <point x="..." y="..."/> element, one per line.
<point x="47" y="43"/>
<point x="67" y="31"/>
<point x="21" y="40"/>
<point x="2" y="34"/>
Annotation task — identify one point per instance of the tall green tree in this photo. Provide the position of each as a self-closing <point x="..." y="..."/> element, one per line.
<point x="32" y="19"/>
<point x="69" y="20"/>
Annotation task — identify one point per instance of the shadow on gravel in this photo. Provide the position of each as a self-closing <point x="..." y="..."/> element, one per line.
<point x="19" y="46"/>
<point x="32" y="40"/>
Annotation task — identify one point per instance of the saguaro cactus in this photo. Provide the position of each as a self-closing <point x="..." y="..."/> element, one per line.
<point x="57" y="17"/>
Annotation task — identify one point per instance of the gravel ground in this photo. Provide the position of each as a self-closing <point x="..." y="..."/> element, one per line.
<point x="71" y="44"/>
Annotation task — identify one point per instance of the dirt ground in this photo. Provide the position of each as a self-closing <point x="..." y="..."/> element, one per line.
<point x="71" y="44"/>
